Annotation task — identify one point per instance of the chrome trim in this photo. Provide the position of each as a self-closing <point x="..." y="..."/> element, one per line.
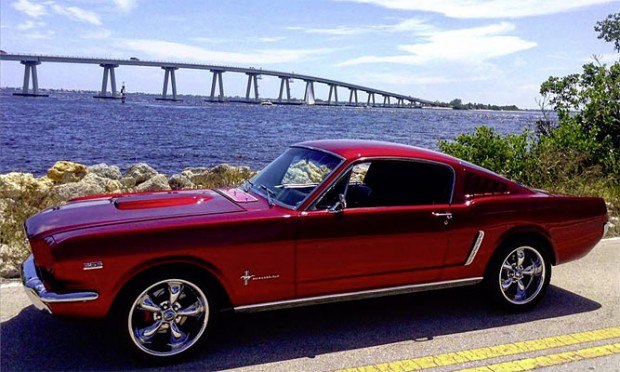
<point x="316" y="300"/>
<point x="474" y="249"/>
<point x="40" y="296"/>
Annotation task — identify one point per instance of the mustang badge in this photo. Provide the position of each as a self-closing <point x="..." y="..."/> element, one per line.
<point x="247" y="277"/>
<point x="93" y="265"/>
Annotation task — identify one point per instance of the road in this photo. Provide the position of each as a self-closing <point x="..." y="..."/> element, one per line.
<point x="444" y="330"/>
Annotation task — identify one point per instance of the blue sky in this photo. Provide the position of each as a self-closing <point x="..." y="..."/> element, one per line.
<point x="487" y="51"/>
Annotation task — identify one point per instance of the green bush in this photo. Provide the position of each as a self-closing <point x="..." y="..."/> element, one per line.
<point x="509" y="155"/>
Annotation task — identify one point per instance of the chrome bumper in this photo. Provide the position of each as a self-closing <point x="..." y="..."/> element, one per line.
<point x="40" y="297"/>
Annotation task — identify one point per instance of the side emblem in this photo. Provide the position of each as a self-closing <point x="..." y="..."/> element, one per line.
<point x="93" y="265"/>
<point x="247" y="277"/>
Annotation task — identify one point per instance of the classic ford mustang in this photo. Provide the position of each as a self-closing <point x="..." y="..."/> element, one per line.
<point x="326" y="221"/>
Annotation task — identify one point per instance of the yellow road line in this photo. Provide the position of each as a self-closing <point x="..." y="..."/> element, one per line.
<point x="484" y="353"/>
<point x="549" y="360"/>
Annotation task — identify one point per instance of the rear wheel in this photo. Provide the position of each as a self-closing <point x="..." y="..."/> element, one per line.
<point x="518" y="275"/>
<point x="165" y="316"/>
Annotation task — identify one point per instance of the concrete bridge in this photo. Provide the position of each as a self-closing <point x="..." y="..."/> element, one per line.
<point x="374" y="97"/>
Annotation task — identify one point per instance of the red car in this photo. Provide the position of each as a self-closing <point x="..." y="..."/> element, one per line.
<point x="326" y="221"/>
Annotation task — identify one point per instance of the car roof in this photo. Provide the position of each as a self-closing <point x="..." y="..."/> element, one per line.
<point x="356" y="149"/>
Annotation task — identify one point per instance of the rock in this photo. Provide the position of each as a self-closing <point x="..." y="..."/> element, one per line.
<point x="62" y="193"/>
<point x="113" y="186"/>
<point x="24" y="187"/>
<point x="67" y="171"/>
<point x="10" y="260"/>
<point x="94" y="179"/>
<point x="111" y="172"/>
<point x="127" y="182"/>
<point x="222" y="175"/>
<point x="159" y="182"/>
<point x="8" y="270"/>
<point x="179" y="181"/>
<point x="140" y="172"/>
<point x="8" y="206"/>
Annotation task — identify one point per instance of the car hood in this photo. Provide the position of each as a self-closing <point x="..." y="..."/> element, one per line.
<point x="125" y="208"/>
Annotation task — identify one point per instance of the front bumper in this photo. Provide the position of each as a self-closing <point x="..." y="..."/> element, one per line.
<point x="40" y="296"/>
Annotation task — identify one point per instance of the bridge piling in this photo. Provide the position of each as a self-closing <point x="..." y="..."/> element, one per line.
<point x="309" y="94"/>
<point x="252" y="78"/>
<point x="108" y="69"/>
<point x="352" y="94"/>
<point x="371" y="95"/>
<point x="169" y="74"/>
<point x="333" y="88"/>
<point x="285" y="81"/>
<point x="217" y="78"/>
<point x="30" y="69"/>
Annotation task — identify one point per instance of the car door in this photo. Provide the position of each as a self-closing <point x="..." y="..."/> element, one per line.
<point x="389" y="234"/>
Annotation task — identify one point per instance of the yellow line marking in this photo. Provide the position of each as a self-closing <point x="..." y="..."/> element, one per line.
<point x="549" y="360"/>
<point x="484" y="353"/>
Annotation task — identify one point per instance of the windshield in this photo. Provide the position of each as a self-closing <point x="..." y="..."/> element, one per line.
<point x="293" y="176"/>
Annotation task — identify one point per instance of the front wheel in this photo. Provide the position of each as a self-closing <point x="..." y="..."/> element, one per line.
<point x="518" y="275"/>
<point x="165" y="317"/>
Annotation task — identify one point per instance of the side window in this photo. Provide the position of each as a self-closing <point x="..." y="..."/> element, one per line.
<point x="386" y="183"/>
<point x="398" y="183"/>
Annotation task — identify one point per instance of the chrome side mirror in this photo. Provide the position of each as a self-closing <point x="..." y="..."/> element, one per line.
<point x="340" y="205"/>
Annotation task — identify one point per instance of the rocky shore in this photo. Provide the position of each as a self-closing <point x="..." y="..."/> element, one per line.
<point x="22" y="194"/>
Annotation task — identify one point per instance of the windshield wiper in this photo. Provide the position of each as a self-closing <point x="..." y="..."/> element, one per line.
<point x="250" y="183"/>
<point x="270" y="194"/>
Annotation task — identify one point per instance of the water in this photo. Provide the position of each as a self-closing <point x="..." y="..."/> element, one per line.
<point x="170" y="136"/>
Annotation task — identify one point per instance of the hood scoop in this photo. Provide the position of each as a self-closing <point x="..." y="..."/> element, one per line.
<point x="167" y="200"/>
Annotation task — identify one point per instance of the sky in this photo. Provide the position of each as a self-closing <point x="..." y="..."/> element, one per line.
<point x="483" y="51"/>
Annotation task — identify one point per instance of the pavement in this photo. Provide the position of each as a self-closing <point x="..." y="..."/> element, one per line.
<point x="576" y="327"/>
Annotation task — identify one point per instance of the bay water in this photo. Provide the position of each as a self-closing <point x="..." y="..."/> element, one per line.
<point x="35" y="132"/>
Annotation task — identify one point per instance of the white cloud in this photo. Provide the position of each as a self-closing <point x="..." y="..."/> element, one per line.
<point x="409" y="25"/>
<point x="165" y="50"/>
<point x="473" y="46"/>
<point x="29" y="8"/>
<point x="271" y="39"/>
<point x="126" y="5"/>
<point x="78" y="14"/>
<point x="29" y="25"/>
<point x="477" y="9"/>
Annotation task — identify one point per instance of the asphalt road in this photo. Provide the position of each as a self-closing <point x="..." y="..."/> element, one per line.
<point x="584" y="296"/>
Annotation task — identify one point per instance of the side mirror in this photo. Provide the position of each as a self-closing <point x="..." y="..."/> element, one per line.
<point x="340" y="205"/>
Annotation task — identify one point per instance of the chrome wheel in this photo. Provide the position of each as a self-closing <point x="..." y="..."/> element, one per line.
<point x="168" y="317"/>
<point x="522" y="276"/>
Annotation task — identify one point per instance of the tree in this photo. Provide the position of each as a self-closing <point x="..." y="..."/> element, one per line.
<point x="609" y="30"/>
<point x="589" y="102"/>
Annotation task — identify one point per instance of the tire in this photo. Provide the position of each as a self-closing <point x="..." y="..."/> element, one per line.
<point x="518" y="275"/>
<point x="164" y="317"/>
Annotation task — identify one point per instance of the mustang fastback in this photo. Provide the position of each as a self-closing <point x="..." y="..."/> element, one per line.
<point x="326" y="221"/>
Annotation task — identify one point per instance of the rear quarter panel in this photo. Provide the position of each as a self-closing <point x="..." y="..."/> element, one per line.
<point x="571" y="225"/>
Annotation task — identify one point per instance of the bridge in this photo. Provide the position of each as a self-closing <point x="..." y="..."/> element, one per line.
<point x="31" y="61"/>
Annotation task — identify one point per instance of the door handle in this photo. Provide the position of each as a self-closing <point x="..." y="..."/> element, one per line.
<point x="447" y="215"/>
